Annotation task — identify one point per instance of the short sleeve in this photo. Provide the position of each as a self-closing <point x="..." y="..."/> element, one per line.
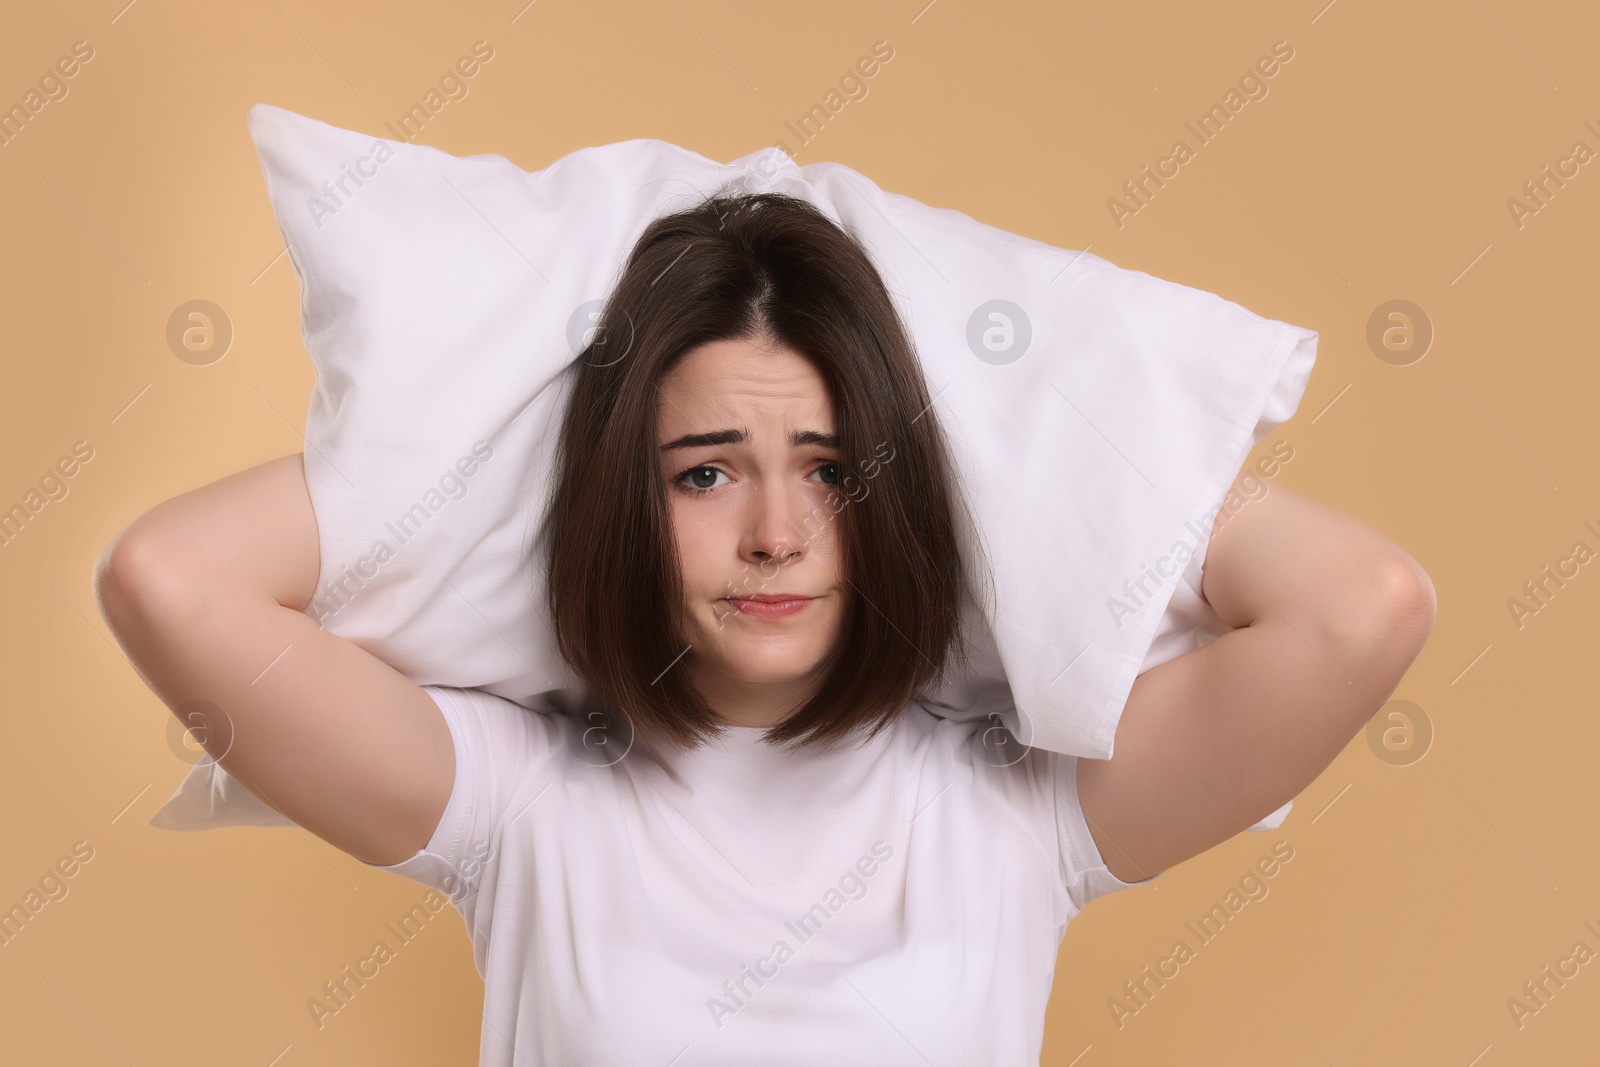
<point x="1085" y="870"/>
<point x="498" y="744"/>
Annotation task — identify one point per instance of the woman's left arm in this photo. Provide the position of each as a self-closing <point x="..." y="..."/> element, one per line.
<point x="1328" y="615"/>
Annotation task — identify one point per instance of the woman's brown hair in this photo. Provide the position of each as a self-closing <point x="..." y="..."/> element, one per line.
<point x="774" y="269"/>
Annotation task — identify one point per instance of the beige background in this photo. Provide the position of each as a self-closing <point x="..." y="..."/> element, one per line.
<point x="1423" y="893"/>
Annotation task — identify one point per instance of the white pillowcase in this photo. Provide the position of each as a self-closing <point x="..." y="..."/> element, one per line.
<point x="1098" y="415"/>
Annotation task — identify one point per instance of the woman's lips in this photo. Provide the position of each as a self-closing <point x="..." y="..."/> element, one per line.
<point x="769" y="607"/>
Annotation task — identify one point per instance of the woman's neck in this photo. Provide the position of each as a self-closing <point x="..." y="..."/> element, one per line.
<point x="752" y="704"/>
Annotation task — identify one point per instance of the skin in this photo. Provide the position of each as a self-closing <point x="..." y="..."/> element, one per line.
<point x="1328" y="615"/>
<point x="206" y="593"/>
<point x="760" y="523"/>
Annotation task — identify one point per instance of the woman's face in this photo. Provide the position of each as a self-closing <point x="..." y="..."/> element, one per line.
<point x="748" y="451"/>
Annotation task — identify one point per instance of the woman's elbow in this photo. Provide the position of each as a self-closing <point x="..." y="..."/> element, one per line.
<point x="134" y="582"/>
<point x="1388" y="617"/>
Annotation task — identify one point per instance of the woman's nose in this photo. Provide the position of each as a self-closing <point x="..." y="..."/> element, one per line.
<point x="773" y="534"/>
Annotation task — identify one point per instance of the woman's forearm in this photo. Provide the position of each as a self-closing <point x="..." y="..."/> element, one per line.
<point x="204" y="592"/>
<point x="1290" y="557"/>
<point x="1329" y="615"/>
<point x="250" y="532"/>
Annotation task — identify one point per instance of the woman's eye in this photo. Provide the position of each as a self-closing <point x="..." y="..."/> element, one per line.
<point x="704" y="479"/>
<point x="700" y="479"/>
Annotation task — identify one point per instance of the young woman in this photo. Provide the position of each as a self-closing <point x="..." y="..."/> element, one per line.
<point x="748" y="841"/>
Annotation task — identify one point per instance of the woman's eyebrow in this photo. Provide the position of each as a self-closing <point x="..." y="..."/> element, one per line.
<point x="797" y="438"/>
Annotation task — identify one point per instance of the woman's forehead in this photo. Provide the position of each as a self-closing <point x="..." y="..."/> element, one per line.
<point x="737" y="383"/>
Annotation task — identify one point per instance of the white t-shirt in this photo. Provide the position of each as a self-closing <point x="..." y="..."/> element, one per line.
<point x="900" y="902"/>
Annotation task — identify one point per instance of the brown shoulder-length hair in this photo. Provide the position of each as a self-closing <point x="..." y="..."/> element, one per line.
<point x="767" y="267"/>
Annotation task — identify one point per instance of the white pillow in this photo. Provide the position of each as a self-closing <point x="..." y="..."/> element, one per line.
<point x="1098" y="414"/>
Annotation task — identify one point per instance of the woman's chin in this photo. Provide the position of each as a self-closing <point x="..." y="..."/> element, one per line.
<point x="752" y="665"/>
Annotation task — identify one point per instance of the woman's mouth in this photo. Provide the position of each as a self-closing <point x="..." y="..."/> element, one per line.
<point x="767" y="606"/>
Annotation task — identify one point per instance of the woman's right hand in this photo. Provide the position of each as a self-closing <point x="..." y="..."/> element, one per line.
<point x="206" y="593"/>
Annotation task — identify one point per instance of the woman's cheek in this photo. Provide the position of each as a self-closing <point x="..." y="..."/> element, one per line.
<point x="697" y="534"/>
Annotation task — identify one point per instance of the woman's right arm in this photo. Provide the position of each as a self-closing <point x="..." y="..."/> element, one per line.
<point x="206" y="593"/>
